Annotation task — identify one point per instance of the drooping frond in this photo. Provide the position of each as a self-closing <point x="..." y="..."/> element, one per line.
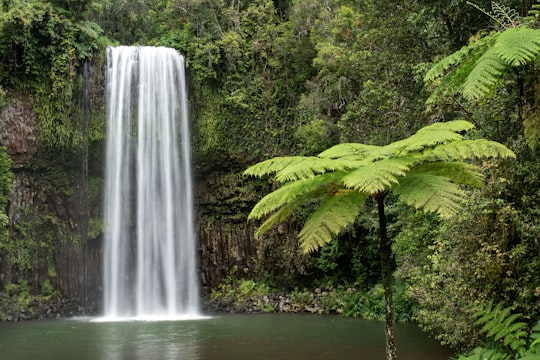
<point x="485" y="75"/>
<point x="461" y="56"/>
<point x="333" y="215"/>
<point x="468" y="149"/>
<point x="375" y="177"/>
<point x="518" y="46"/>
<point x="291" y="168"/>
<point x="449" y="86"/>
<point x="280" y="215"/>
<point x="430" y="193"/>
<point x="292" y="191"/>
<point x="458" y="172"/>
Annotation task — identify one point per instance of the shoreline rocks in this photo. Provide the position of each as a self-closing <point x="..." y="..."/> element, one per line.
<point x="13" y="309"/>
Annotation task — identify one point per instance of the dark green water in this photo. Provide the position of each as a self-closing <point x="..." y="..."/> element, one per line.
<point x="219" y="337"/>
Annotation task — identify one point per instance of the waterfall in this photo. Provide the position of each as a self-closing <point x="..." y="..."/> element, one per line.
<point x="149" y="242"/>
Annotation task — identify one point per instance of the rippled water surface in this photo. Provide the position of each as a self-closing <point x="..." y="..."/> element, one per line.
<point x="218" y="337"/>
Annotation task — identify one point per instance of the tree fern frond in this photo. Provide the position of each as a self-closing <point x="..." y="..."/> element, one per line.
<point x="518" y="46"/>
<point x="451" y="84"/>
<point x="458" y="172"/>
<point x="469" y="149"/>
<point x="457" y="58"/>
<point x="430" y="193"/>
<point x="291" y="168"/>
<point x="280" y="215"/>
<point x="459" y="125"/>
<point x="429" y="136"/>
<point x="484" y="76"/>
<point x="375" y="177"/>
<point x="291" y="191"/>
<point x="345" y="150"/>
<point x="335" y="213"/>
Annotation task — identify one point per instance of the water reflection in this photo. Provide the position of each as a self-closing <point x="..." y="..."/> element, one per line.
<point x="264" y="337"/>
<point x="149" y="340"/>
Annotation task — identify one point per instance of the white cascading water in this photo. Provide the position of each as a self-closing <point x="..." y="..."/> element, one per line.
<point x="149" y="245"/>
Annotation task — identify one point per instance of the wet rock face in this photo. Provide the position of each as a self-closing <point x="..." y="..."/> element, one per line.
<point x="18" y="131"/>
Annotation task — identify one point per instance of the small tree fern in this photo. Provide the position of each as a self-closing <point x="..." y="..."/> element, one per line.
<point x="426" y="171"/>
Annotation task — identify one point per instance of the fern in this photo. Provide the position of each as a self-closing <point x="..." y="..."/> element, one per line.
<point x="468" y="150"/>
<point x="485" y="75"/>
<point x="518" y="46"/>
<point x="430" y="193"/>
<point x="289" y="192"/>
<point x="291" y="168"/>
<point x="476" y="69"/>
<point x="501" y="326"/>
<point x="452" y="61"/>
<point x="376" y="177"/>
<point x="334" y="214"/>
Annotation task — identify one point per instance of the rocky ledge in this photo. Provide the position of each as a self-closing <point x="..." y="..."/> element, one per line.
<point x="15" y="309"/>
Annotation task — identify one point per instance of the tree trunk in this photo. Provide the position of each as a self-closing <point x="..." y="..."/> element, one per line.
<point x="385" y="248"/>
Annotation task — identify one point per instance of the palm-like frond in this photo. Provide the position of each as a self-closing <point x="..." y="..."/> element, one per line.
<point x="457" y="58"/>
<point x="458" y="172"/>
<point x="335" y="213"/>
<point x="290" y="192"/>
<point x="429" y="136"/>
<point x="375" y="177"/>
<point x="431" y="193"/>
<point x="291" y="168"/>
<point x="348" y="150"/>
<point x="518" y="46"/>
<point x="499" y="324"/>
<point x="485" y="75"/>
<point x="467" y="150"/>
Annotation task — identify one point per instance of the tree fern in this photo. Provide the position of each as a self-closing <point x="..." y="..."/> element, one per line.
<point x="476" y="69"/>
<point x="425" y="170"/>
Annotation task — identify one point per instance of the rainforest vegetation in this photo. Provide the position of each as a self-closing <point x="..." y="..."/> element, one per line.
<point x="284" y="78"/>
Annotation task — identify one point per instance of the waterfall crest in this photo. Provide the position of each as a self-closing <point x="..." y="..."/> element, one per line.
<point x="149" y="243"/>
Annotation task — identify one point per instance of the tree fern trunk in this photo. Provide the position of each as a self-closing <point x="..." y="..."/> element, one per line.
<point x="385" y="249"/>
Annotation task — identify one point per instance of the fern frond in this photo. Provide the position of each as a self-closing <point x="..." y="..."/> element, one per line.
<point x="291" y="168"/>
<point x="468" y="150"/>
<point x="502" y="326"/>
<point x="448" y="86"/>
<point x="485" y="354"/>
<point x="458" y="172"/>
<point x="375" y="177"/>
<point x="291" y="191"/>
<point x="280" y="215"/>
<point x="429" y="136"/>
<point x="335" y="213"/>
<point x="484" y="76"/>
<point x="345" y="150"/>
<point x="430" y="193"/>
<point x="518" y="46"/>
<point x="459" y="57"/>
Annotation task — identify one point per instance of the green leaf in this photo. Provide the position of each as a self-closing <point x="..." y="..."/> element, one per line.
<point x="333" y="215"/>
